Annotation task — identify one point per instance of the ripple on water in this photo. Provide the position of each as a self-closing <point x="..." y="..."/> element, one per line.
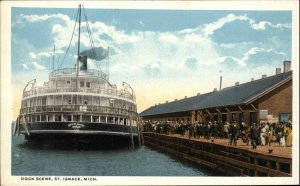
<point x="28" y="159"/>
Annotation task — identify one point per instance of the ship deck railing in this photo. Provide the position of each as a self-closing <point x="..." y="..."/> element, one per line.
<point x="42" y="90"/>
<point x="73" y="71"/>
<point x="77" y="108"/>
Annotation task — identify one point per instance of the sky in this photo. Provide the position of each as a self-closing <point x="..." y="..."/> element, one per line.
<point x="163" y="54"/>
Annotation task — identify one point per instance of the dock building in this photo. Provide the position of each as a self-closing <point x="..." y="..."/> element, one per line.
<point x="266" y="99"/>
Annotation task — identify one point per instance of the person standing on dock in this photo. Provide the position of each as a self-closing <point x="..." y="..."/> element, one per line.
<point x="202" y="130"/>
<point x="207" y="131"/>
<point x="197" y="130"/>
<point x="263" y="135"/>
<point x="226" y="129"/>
<point x="215" y="130"/>
<point x="220" y="130"/>
<point x="181" y="128"/>
<point x="288" y="134"/>
<point x="233" y="134"/>
<point x="254" y="135"/>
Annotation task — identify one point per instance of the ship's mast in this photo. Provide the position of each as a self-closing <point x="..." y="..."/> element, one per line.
<point x="78" y="52"/>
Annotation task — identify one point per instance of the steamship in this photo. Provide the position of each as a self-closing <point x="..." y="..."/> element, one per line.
<point x="78" y="103"/>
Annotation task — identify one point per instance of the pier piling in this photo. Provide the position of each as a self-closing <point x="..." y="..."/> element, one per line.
<point x="219" y="157"/>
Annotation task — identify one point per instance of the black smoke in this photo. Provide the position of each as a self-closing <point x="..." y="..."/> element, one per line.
<point x="96" y="53"/>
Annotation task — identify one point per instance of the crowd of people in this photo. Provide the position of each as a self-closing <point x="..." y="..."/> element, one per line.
<point x="254" y="134"/>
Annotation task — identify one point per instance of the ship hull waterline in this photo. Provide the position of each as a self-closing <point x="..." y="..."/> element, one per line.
<point x="84" y="134"/>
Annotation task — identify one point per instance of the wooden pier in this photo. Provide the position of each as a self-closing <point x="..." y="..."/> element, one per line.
<point x="217" y="155"/>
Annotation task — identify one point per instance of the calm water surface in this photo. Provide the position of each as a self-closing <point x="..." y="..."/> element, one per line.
<point x="29" y="160"/>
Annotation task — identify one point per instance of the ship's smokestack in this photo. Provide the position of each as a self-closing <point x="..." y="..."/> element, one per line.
<point x="83" y="60"/>
<point x="286" y="66"/>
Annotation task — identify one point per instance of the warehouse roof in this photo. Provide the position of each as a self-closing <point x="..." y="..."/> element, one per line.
<point x="238" y="94"/>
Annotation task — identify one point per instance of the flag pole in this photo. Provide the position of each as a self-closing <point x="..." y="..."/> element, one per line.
<point x="107" y="68"/>
<point x="53" y="58"/>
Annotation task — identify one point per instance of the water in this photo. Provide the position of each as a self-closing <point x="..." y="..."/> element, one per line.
<point x="45" y="160"/>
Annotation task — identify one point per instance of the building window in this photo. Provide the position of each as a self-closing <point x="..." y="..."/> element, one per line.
<point x="68" y="82"/>
<point x="85" y="102"/>
<point x="88" y="84"/>
<point x="284" y="117"/>
<point x="81" y="83"/>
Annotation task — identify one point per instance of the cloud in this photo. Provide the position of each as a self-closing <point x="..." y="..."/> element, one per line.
<point x="38" y="18"/>
<point x="142" y="23"/>
<point x="246" y="57"/>
<point x="38" y="66"/>
<point x="153" y="70"/>
<point x="25" y="66"/>
<point x="264" y="24"/>
<point x="142" y="50"/>
<point x="191" y="63"/>
<point x="156" y="60"/>
<point x="39" y="55"/>
<point x="209" y="29"/>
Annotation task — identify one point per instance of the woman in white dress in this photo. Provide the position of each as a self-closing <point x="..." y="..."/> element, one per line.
<point x="263" y="136"/>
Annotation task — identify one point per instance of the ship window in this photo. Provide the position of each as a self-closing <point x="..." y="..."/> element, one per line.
<point x="96" y="119"/>
<point x="57" y="117"/>
<point x="76" y="118"/>
<point x="88" y="84"/>
<point x="110" y="120"/>
<point x="43" y="118"/>
<point x="81" y="84"/>
<point x="86" y="118"/>
<point x="102" y="119"/>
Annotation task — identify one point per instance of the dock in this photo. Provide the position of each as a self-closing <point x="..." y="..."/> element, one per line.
<point x="217" y="155"/>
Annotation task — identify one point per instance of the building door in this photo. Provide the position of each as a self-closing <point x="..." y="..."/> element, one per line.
<point x="253" y="117"/>
<point x="216" y="117"/>
<point x="233" y="117"/>
<point x="207" y="118"/>
<point x="224" y="118"/>
<point x="241" y="117"/>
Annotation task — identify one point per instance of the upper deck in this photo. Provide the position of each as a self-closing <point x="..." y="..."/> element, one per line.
<point x="66" y="81"/>
<point x="72" y="72"/>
